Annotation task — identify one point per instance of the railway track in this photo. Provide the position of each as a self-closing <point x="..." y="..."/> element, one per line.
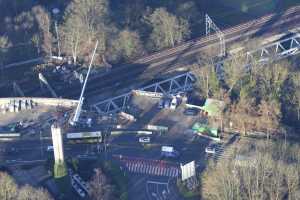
<point x="130" y="73"/>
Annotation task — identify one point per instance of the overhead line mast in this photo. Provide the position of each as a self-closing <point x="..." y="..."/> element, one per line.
<point x="210" y="25"/>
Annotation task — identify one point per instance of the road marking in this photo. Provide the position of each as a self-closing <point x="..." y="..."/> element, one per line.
<point x="157" y="195"/>
<point x="151" y="168"/>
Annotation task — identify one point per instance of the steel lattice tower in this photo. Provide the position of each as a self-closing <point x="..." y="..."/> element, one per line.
<point x="210" y="25"/>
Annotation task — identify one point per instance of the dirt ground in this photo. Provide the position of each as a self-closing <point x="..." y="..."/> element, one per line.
<point x="26" y="115"/>
<point x="146" y="110"/>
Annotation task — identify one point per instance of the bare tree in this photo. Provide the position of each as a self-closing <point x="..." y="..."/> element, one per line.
<point x="4" y="44"/>
<point x="234" y="71"/>
<point x="100" y="189"/>
<point x="292" y="180"/>
<point x="72" y="37"/>
<point x="10" y="191"/>
<point x="44" y="24"/>
<point x="128" y="45"/>
<point x="262" y="176"/>
<point x="220" y="182"/>
<point x="271" y="80"/>
<point x="8" y="187"/>
<point x="270" y="116"/>
<point x="167" y="29"/>
<point x="296" y="96"/>
<point x="243" y="114"/>
<point x="208" y="82"/>
<point x="85" y="21"/>
<point x="29" y="193"/>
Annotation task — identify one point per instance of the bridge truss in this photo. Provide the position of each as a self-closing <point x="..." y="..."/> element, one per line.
<point x="182" y="82"/>
<point x="265" y="54"/>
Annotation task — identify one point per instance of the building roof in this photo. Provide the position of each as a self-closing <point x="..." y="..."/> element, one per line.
<point x="213" y="107"/>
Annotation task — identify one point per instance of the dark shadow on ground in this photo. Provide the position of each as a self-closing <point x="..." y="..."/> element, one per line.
<point x="277" y="14"/>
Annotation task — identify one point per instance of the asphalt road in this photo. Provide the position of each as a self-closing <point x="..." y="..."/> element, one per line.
<point x="150" y="187"/>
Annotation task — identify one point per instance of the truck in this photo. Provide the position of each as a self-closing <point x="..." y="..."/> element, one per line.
<point x="169" y="152"/>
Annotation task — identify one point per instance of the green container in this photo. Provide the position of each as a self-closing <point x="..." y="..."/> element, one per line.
<point x="205" y="130"/>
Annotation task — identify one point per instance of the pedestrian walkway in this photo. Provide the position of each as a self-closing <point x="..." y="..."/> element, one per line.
<point x="151" y="167"/>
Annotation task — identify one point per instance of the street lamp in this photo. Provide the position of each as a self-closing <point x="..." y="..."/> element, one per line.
<point x="55" y="12"/>
<point x="41" y="143"/>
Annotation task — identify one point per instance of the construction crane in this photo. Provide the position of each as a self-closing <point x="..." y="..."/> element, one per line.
<point x="81" y="98"/>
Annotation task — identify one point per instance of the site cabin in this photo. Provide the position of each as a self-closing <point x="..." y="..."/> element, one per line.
<point x="9" y="136"/>
<point x="84" y="137"/>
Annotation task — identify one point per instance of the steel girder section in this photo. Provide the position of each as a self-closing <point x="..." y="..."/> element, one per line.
<point x="172" y="85"/>
<point x="112" y="105"/>
<point x="275" y="51"/>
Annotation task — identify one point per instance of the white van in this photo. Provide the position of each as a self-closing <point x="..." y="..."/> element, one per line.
<point x="173" y="104"/>
<point x="144" y="139"/>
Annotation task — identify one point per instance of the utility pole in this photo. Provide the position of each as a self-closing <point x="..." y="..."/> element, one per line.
<point x="57" y="37"/>
<point x="41" y="142"/>
<point x="78" y="108"/>
<point x="210" y="25"/>
<point x="56" y="12"/>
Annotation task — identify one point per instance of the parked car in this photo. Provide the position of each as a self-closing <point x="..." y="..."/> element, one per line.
<point x="144" y="139"/>
<point x="191" y="111"/>
<point x="167" y="103"/>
